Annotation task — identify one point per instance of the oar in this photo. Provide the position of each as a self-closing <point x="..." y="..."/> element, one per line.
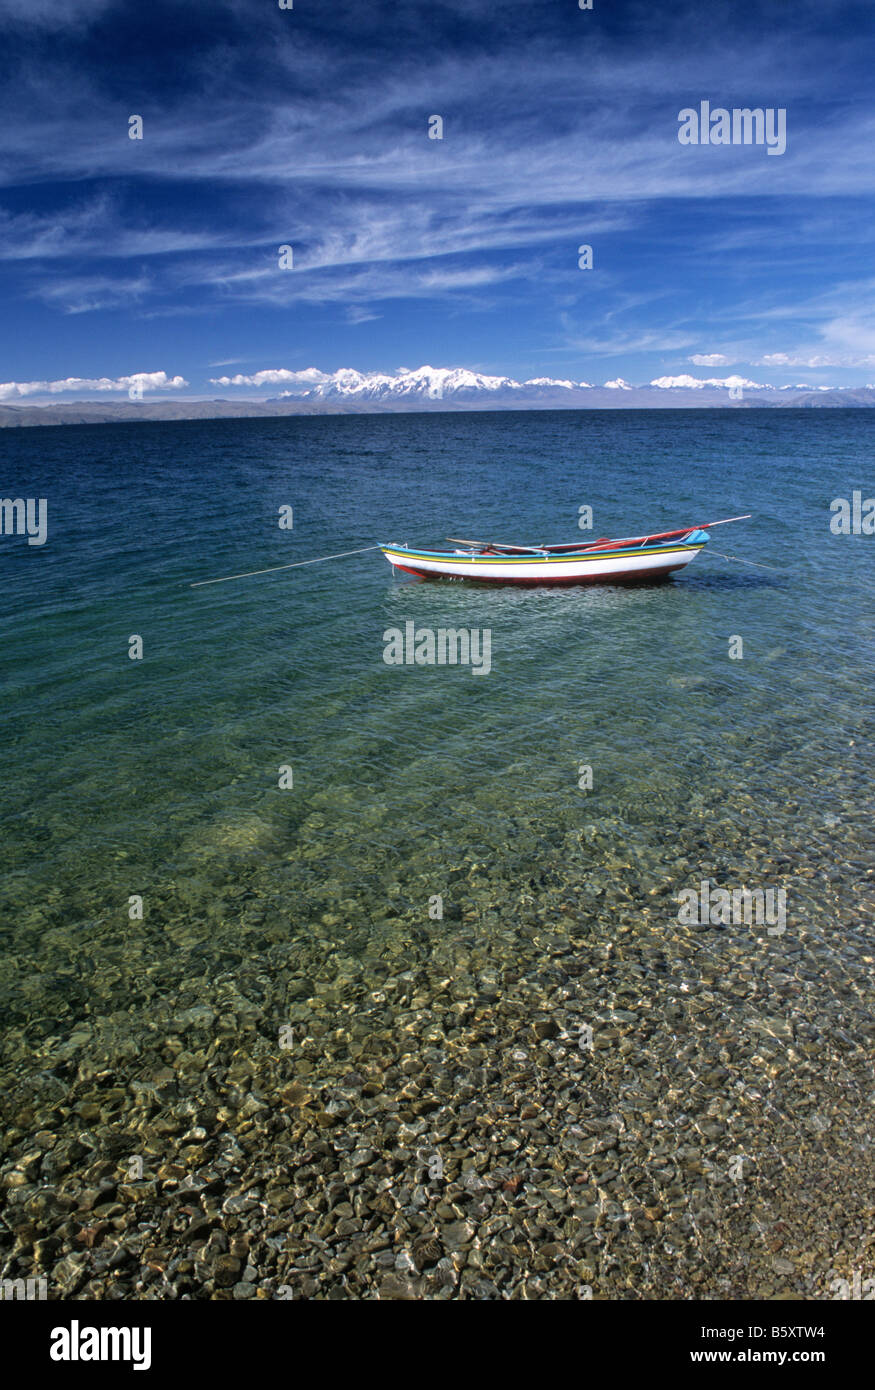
<point x="726" y="520"/>
<point x="658" y="535"/>
<point x="683" y="530"/>
<point x="497" y="545"/>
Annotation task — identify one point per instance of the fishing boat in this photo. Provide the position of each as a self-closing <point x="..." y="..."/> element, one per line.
<point x="629" y="560"/>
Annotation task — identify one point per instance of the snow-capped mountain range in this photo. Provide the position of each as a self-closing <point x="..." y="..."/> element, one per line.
<point x="429" y="383"/>
<point x="429" y="387"/>
<point x="313" y="392"/>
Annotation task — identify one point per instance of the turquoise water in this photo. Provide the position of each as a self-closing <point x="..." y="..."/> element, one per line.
<point x="122" y="776"/>
<point x="160" y="777"/>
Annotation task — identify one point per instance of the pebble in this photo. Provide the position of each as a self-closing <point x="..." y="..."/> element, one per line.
<point x="435" y="1129"/>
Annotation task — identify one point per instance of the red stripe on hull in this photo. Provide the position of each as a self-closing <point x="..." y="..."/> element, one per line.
<point x="609" y="577"/>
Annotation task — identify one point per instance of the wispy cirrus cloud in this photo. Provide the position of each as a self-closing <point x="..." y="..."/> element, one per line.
<point x="83" y="295"/>
<point x="834" y="326"/>
<point x="99" y="227"/>
<point x="667" y="338"/>
<point x="49" y="15"/>
<point x="309" y="128"/>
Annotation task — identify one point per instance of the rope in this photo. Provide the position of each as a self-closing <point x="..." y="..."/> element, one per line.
<point x="342" y="554"/>
<point x="273" y="568"/>
<point x="755" y="563"/>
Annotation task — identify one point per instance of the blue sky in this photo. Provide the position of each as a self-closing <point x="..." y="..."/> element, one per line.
<point x="266" y="127"/>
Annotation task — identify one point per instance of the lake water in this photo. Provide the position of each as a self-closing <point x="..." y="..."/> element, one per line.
<point x="313" y="907"/>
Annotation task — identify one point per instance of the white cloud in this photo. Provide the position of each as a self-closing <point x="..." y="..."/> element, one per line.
<point x="817" y="359"/>
<point x="842" y="319"/>
<point x="274" y="376"/>
<point x="358" y="314"/>
<point x="145" y="381"/>
<point x="709" y="359"/>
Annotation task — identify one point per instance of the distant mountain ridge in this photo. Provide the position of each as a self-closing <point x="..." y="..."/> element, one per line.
<point x="431" y="384"/>
<point x="427" y="388"/>
<point x="450" y="388"/>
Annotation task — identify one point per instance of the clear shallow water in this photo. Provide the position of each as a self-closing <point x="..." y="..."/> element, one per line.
<point x="160" y="759"/>
<point x="160" y="777"/>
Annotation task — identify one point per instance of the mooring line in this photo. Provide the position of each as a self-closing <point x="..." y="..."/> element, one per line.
<point x="756" y="563"/>
<point x="273" y="568"/>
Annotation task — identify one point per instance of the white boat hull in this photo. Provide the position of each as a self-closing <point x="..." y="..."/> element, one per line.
<point x="615" y="566"/>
